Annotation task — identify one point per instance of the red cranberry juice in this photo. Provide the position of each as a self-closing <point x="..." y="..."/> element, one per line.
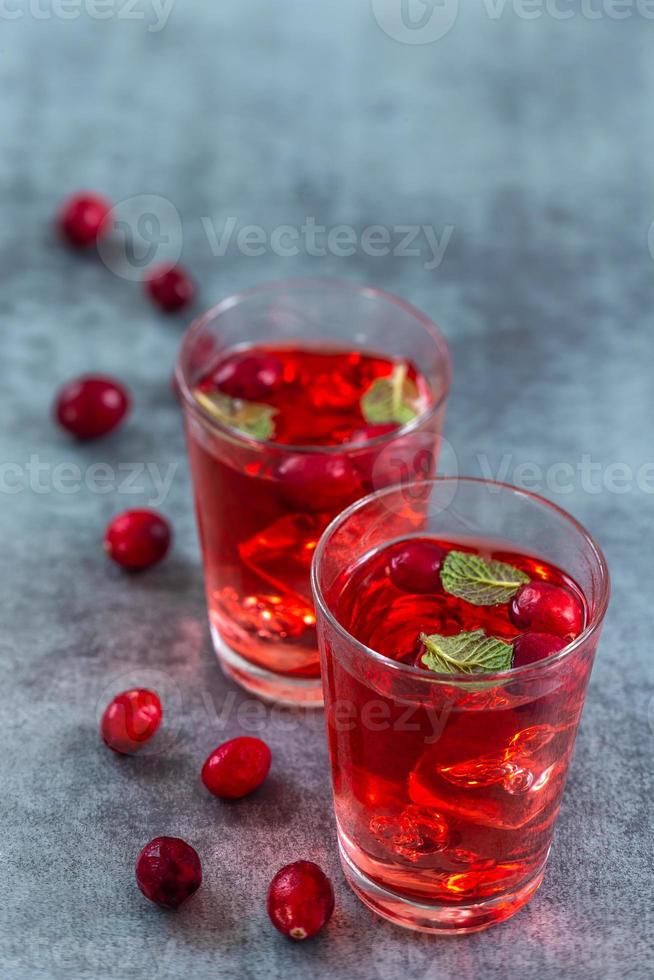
<point x="262" y="505"/>
<point x="450" y="792"/>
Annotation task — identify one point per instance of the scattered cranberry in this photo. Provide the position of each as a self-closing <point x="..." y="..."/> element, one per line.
<point x="315" y="482"/>
<point x="131" y="720"/>
<point x="531" y="647"/>
<point x="137" y="539"/>
<point x="170" y="287"/>
<point x="249" y="376"/>
<point x="91" y="406"/>
<point x="415" y="567"/>
<point x="83" y="218"/>
<point x="168" y="871"/>
<point x="546" y="608"/>
<point x="237" y="768"/>
<point x="300" y="900"/>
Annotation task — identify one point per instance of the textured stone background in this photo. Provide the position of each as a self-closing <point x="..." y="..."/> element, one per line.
<point x="533" y="139"/>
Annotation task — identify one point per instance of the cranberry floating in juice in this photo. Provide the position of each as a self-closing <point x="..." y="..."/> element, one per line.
<point x="457" y="633"/>
<point x="298" y="401"/>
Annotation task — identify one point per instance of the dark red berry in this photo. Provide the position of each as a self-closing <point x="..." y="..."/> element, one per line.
<point x="316" y="483"/>
<point x="300" y="900"/>
<point x="131" y="720"/>
<point x="168" y="871"/>
<point x="249" y="376"/>
<point x="531" y="647"/>
<point x="237" y="768"/>
<point x="545" y="608"/>
<point x="91" y="406"/>
<point x="415" y="567"/>
<point x="83" y="218"/>
<point x="138" y="539"/>
<point x="170" y="287"/>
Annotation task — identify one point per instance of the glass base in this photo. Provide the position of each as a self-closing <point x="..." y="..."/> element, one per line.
<point x="304" y="692"/>
<point x="440" y="920"/>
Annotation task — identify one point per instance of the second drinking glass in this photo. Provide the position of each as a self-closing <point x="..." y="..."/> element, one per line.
<point x="458" y="627"/>
<point x="299" y="398"/>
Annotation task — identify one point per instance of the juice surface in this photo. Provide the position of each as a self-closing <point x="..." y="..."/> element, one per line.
<point x="389" y="617"/>
<point x="315" y="392"/>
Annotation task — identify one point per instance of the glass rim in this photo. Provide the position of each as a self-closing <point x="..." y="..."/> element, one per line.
<point x="236" y="299"/>
<point x="460" y="679"/>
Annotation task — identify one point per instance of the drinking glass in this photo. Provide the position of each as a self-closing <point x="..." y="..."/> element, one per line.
<point x="258" y="517"/>
<point x="447" y="786"/>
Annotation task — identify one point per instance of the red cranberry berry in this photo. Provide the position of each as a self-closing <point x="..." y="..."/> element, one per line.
<point x="237" y="768"/>
<point x="531" y="647"/>
<point x="131" y="720"/>
<point x="137" y="539"/>
<point x="300" y="900"/>
<point x="317" y="482"/>
<point x="545" y="608"/>
<point x="415" y="567"/>
<point x="249" y="376"/>
<point x="82" y="219"/>
<point x="170" y="287"/>
<point x="91" y="406"/>
<point x="168" y="871"/>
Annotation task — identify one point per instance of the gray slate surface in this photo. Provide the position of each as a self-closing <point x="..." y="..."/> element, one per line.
<point x="533" y="139"/>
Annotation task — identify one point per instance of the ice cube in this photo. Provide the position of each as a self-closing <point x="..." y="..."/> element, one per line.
<point x="519" y="781"/>
<point x="502" y="789"/>
<point x="269" y="617"/>
<point x="285" y="546"/>
<point x="413" y="834"/>
<point x="529" y="741"/>
<point x="485" y="770"/>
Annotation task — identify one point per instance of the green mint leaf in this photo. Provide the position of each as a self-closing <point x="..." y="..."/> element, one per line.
<point x="392" y="399"/>
<point x="481" y="582"/>
<point x="467" y="653"/>
<point x="251" y="418"/>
